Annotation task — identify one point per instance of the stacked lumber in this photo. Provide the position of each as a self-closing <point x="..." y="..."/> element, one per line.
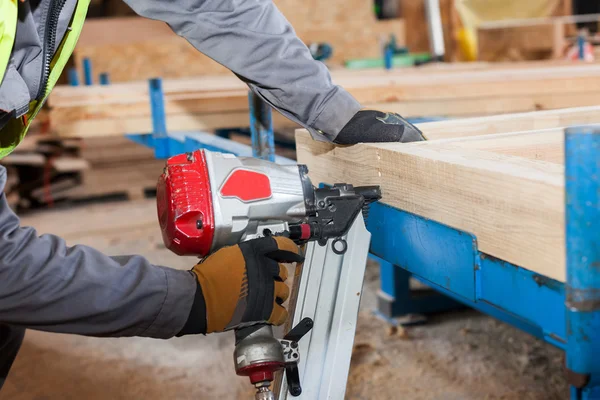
<point x="117" y="150"/>
<point x="529" y="39"/>
<point x="40" y="167"/>
<point x="118" y="166"/>
<point x="133" y="48"/>
<point x="417" y="35"/>
<point x="499" y="178"/>
<point x="216" y="102"/>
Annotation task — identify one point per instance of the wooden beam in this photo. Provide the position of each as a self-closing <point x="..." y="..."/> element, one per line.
<point x="543" y="145"/>
<point x="175" y="123"/>
<point x="530" y="121"/>
<point x="514" y="206"/>
<point x="526" y="39"/>
<point x="219" y="102"/>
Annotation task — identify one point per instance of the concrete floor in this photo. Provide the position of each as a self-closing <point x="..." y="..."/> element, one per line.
<point x="462" y="355"/>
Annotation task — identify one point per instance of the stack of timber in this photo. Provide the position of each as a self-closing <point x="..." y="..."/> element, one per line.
<point x="529" y="39"/>
<point x="119" y="170"/>
<point x="207" y="103"/>
<point x="499" y="178"/>
<point x="417" y="34"/>
<point x="133" y="48"/>
<point x="42" y="168"/>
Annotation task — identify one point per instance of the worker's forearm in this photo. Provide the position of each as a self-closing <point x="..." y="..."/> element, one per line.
<point x="255" y="41"/>
<point x="46" y="285"/>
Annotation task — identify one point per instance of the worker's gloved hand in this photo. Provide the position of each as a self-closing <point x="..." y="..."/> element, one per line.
<point x="242" y="285"/>
<point x="371" y="126"/>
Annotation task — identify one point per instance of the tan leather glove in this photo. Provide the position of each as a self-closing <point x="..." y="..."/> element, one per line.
<point x="242" y="285"/>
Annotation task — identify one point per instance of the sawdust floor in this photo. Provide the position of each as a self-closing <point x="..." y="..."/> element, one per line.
<point x="463" y="355"/>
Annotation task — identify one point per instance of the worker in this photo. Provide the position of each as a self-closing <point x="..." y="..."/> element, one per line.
<point x="47" y="285"/>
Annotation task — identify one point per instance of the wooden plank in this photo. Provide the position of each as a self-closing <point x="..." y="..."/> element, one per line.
<point x="69" y="164"/>
<point x="526" y="39"/>
<point x="544" y="145"/>
<point x="60" y="164"/>
<point x="529" y="42"/>
<point x="513" y="206"/>
<point x="175" y="123"/>
<point x="117" y="126"/>
<point x="207" y="103"/>
<point x="467" y="127"/>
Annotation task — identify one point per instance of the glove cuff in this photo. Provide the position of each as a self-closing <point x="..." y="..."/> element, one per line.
<point x="196" y="322"/>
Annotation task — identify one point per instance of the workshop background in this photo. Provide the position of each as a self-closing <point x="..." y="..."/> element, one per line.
<point x="87" y="172"/>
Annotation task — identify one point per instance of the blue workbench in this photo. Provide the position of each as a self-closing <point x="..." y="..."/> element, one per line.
<point x="566" y="315"/>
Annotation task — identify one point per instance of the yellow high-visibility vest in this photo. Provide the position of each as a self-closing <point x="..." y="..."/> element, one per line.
<point x="14" y="132"/>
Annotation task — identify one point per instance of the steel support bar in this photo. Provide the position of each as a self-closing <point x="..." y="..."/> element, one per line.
<point x="159" y="121"/>
<point x="181" y="142"/>
<point x="400" y="304"/>
<point x="104" y="78"/>
<point x="582" y="215"/>
<point x="449" y="261"/>
<point x="88" y="77"/>
<point x="261" y="128"/>
<point x="73" y="77"/>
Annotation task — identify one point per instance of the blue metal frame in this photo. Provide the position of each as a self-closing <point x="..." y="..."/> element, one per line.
<point x="582" y="215"/>
<point x="73" y="77"/>
<point x="160" y="139"/>
<point x="388" y="57"/>
<point x="449" y="261"/>
<point x="261" y="128"/>
<point x="104" y="79"/>
<point x="166" y="144"/>
<point x="581" y="46"/>
<point x="88" y="78"/>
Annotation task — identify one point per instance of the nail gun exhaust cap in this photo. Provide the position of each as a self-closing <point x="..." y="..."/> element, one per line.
<point x="184" y="205"/>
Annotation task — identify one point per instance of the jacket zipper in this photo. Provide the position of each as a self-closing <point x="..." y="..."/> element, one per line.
<point x="51" y="27"/>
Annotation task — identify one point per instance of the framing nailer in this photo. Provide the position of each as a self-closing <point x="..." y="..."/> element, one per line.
<point x="209" y="200"/>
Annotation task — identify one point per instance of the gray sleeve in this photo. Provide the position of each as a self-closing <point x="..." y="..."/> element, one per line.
<point x="47" y="285"/>
<point x="255" y="41"/>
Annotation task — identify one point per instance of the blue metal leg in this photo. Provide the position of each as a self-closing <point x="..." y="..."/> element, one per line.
<point x="73" y="77"/>
<point x="87" y="72"/>
<point x="224" y="133"/>
<point x="104" y="78"/>
<point x="261" y="128"/>
<point x="397" y="302"/>
<point x="582" y="174"/>
<point x="159" y="122"/>
<point x="581" y="46"/>
<point x="388" y="58"/>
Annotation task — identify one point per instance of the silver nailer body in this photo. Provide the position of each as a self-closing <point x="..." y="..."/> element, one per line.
<point x="208" y="200"/>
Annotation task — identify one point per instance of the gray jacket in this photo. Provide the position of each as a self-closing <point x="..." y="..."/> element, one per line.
<point x="250" y="37"/>
<point x="46" y="285"/>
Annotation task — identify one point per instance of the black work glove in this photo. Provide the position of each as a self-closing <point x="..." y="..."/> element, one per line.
<point x="371" y="126"/>
<point x="242" y="285"/>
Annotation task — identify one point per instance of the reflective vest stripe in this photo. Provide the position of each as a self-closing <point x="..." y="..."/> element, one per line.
<point x="15" y="131"/>
<point x="8" y="27"/>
